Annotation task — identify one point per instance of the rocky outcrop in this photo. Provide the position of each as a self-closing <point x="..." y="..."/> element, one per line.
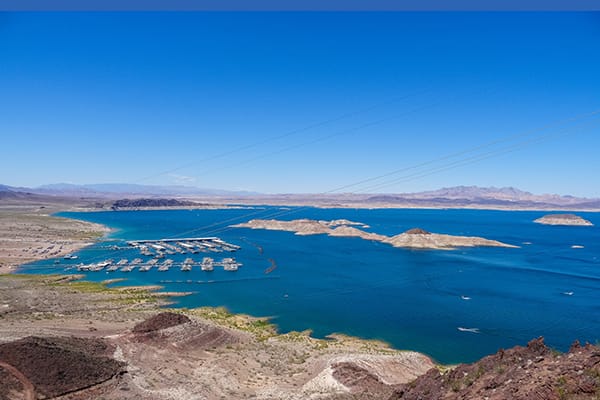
<point x="417" y="240"/>
<point x="160" y="321"/>
<point x="563" y="219"/>
<point x="413" y="238"/>
<point x="417" y="231"/>
<point x="362" y="376"/>
<point x="173" y="329"/>
<point x="520" y="373"/>
<point x="40" y="367"/>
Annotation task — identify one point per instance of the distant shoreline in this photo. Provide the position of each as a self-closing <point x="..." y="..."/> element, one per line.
<point x="237" y="204"/>
<point x="97" y="231"/>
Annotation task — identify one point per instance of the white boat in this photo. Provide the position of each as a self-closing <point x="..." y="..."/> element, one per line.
<point x="165" y="265"/>
<point x="229" y="264"/>
<point x="207" y="264"/>
<point x="105" y="263"/>
<point x="465" y="297"/>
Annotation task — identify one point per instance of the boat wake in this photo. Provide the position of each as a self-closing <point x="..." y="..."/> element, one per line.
<point x="472" y="330"/>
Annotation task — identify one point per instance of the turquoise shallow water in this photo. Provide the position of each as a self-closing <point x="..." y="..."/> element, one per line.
<point x="409" y="298"/>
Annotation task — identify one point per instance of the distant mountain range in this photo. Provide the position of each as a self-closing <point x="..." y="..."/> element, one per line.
<point x="507" y="196"/>
<point x="452" y="197"/>
<point x="112" y="189"/>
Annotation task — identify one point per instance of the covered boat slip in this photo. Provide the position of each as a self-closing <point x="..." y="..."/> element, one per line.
<point x="157" y="249"/>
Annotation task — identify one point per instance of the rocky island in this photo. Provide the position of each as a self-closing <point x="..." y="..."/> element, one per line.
<point x="418" y="238"/>
<point x="413" y="238"/>
<point x="563" y="219"/>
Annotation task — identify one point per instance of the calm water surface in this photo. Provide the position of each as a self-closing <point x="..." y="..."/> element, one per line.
<point x="409" y="298"/>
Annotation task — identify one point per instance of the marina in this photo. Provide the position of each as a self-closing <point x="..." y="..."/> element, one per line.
<point x="157" y="254"/>
<point x="379" y="275"/>
<point x="159" y="247"/>
<point x="206" y="264"/>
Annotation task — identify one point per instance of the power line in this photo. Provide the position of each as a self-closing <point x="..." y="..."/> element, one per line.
<point x="219" y="226"/>
<point x="288" y="134"/>
<point x="452" y="165"/>
<point x="467" y="151"/>
<point x="472" y="159"/>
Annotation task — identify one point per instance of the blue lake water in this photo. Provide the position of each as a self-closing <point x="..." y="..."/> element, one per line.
<point x="408" y="298"/>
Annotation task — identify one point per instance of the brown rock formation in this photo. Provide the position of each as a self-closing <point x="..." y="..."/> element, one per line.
<point x="417" y="231"/>
<point x="520" y="373"/>
<point x="36" y="367"/>
<point x="160" y="321"/>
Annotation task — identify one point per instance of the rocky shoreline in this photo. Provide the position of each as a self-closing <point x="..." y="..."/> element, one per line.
<point x="147" y="351"/>
<point x="87" y="340"/>
<point x="83" y="340"/>
<point x="414" y="238"/>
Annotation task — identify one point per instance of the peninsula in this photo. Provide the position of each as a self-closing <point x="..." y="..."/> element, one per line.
<point x="413" y="238"/>
<point x="29" y="233"/>
<point x="563" y="219"/>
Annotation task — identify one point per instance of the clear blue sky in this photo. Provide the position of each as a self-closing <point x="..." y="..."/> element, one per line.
<point x="148" y="97"/>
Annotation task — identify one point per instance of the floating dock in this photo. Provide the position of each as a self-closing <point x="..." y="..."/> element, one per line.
<point x="159" y="247"/>
<point x="207" y="264"/>
<point x="156" y="249"/>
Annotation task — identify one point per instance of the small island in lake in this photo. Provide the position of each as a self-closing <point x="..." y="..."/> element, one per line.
<point x="418" y="238"/>
<point x="563" y="219"/>
<point x="413" y="238"/>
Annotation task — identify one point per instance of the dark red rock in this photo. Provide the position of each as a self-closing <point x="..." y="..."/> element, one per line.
<point x="417" y="231"/>
<point x="53" y="366"/>
<point x="520" y="373"/>
<point x="160" y="321"/>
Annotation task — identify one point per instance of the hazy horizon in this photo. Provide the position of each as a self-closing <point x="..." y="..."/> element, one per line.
<point x="122" y="187"/>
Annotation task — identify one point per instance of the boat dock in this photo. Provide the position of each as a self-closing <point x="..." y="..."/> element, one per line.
<point x="157" y="254"/>
<point x="207" y="264"/>
<point x="160" y="247"/>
